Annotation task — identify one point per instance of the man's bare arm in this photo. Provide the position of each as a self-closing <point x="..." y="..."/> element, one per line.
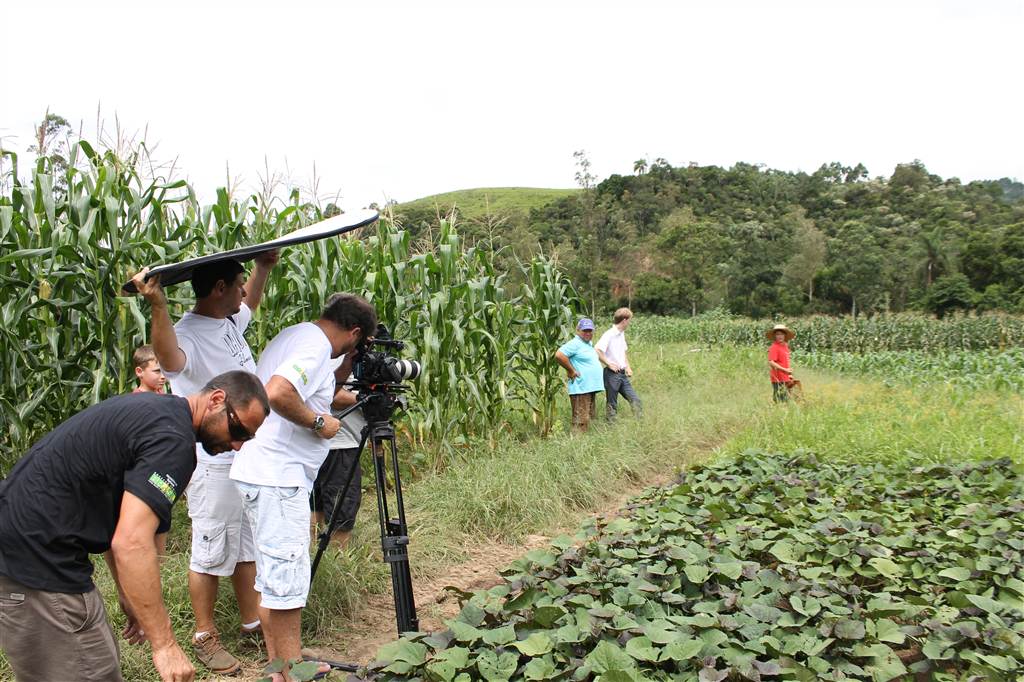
<point x="137" y="567"/>
<point x="344" y="398"/>
<point x="287" y="402"/>
<point x="265" y="262"/>
<point x="162" y="336"/>
<point x="132" y="631"/>
<point x="563" y="360"/>
<point x="605" y="361"/>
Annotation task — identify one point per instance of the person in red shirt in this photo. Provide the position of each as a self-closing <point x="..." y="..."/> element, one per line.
<point x="778" y="361"/>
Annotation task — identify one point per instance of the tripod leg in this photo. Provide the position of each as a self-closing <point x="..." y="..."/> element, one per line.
<point x="333" y="520"/>
<point x="394" y="533"/>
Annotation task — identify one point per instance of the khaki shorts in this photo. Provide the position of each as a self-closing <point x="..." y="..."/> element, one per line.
<point x="221" y="533"/>
<point x="54" y="636"/>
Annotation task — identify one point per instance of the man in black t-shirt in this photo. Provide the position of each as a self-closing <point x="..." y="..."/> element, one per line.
<point x="104" y="481"/>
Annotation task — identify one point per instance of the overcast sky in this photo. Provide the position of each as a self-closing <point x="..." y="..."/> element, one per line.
<point x="404" y="99"/>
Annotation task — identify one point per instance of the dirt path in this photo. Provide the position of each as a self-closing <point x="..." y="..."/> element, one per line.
<point x="374" y="624"/>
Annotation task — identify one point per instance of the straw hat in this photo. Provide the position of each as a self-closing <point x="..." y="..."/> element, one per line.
<point x="780" y="328"/>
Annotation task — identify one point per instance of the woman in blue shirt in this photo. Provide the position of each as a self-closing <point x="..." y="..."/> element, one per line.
<point x="586" y="379"/>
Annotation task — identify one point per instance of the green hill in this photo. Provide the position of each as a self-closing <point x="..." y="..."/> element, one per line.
<point x="477" y="203"/>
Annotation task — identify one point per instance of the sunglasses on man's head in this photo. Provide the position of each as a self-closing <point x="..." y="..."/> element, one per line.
<point x="235" y="427"/>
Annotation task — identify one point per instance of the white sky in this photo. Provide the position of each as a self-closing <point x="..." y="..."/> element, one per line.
<point x="405" y="99"/>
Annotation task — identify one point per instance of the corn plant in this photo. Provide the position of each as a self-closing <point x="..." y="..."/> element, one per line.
<point x="68" y="337"/>
<point x="897" y="332"/>
<point x="983" y="369"/>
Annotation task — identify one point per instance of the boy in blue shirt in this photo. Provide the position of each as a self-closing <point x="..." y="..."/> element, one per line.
<point x="586" y="377"/>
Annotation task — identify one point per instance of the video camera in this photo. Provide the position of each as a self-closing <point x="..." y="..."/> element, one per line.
<point x="372" y="367"/>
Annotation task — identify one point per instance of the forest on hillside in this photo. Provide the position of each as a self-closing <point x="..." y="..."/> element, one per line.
<point x="762" y="242"/>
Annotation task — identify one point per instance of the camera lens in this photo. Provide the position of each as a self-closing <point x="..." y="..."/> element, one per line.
<point x="401" y="370"/>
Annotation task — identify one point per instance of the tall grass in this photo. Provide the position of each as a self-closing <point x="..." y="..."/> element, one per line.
<point x="855" y="418"/>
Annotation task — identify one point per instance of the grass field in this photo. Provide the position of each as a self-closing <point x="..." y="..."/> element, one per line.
<point x="495" y="201"/>
<point x="699" y="406"/>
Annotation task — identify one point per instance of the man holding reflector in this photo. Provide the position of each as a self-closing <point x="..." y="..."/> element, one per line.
<point x="205" y="342"/>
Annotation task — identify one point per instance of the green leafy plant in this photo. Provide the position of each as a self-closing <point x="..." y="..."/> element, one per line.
<point x="762" y="566"/>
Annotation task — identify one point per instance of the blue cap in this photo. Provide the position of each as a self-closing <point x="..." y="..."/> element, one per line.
<point x="585" y="324"/>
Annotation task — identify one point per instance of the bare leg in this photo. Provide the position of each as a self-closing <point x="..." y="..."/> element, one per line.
<point x="340" y="538"/>
<point x="244" y="582"/>
<point x="202" y="588"/>
<point x="268" y="634"/>
<point x="282" y="629"/>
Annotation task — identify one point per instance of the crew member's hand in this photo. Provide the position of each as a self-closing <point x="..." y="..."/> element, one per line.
<point x="268" y="259"/>
<point x="613" y="366"/>
<point x="629" y="371"/>
<point x="331" y="426"/>
<point x="150" y="289"/>
<point x="172" y="664"/>
<point x="132" y="630"/>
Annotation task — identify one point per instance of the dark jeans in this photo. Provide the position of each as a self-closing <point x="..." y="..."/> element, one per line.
<point x="329" y="483"/>
<point x="780" y="392"/>
<point x="614" y="384"/>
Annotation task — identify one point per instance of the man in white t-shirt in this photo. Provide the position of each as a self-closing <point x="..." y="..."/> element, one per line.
<point x="275" y="471"/>
<point x="204" y="343"/>
<point x="611" y="349"/>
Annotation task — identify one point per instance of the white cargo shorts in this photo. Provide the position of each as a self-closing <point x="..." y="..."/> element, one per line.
<point x="221" y="532"/>
<point x="280" y="521"/>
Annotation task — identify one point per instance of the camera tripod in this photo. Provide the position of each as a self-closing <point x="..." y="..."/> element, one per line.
<point x="378" y="404"/>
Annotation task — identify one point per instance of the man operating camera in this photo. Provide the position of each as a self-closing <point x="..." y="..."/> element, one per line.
<point x="276" y="471"/>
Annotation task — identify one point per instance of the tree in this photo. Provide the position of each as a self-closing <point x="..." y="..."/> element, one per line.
<point x="640" y="166"/>
<point x="809" y="251"/>
<point x="590" y="248"/>
<point x="950" y="292"/>
<point x="692" y="250"/>
<point x="935" y="261"/>
<point x="859" y="266"/>
<point x="51" y="146"/>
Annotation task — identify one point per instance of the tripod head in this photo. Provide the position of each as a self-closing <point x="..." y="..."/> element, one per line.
<point x="379" y="402"/>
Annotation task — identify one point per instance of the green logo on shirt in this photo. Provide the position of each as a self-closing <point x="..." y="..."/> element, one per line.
<point x="302" y="373"/>
<point x="162" y="483"/>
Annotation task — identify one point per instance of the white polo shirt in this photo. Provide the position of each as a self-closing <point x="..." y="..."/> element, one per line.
<point x="613" y="344"/>
<point x="283" y="453"/>
<point x="212" y="346"/>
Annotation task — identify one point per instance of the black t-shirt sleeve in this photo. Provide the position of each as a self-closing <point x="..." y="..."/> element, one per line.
<point x="163" y="466"/>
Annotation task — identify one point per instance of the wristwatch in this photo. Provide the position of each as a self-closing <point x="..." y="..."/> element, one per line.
<point x="318" y="423"/>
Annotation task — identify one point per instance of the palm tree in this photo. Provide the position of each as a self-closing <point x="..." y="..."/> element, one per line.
<point x="935" y="261"/>
<point x="640" y="166"/>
